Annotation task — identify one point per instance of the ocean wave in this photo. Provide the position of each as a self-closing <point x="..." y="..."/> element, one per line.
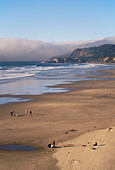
<point x="36" y="78"/>
<point x="48" y="71"/>
<point x="18" y="72"/>
<point x="87" y="65"/>
<point x="14" y="76"/>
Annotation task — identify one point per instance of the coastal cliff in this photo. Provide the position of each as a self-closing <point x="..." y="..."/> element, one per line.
<point x="101" y="54"/>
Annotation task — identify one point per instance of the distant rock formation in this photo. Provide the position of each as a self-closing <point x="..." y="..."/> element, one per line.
<point x="101" y="54"/>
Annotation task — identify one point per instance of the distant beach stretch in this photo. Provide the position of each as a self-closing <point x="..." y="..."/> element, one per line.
<point x="70" y="128"/>
<point x="34" y="78"/>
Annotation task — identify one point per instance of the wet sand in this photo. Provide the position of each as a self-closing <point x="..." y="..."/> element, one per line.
<point x="88" y="106"/>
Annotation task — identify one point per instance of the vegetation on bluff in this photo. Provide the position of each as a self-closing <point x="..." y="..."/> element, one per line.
<point x="103" y="53"/>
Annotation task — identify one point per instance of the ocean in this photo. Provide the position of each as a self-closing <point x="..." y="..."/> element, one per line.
<point x="35" y="78"/>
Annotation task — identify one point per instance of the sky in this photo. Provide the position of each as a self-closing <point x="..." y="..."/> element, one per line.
<point x="41" y="29"/>
<point x="57" y="20"/>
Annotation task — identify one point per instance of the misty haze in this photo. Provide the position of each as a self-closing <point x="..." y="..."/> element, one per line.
<point x="16" y="49"/>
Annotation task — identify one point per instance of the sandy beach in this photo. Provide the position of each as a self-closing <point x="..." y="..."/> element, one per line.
<point x="78" y="116"/>
<point x="80" y="153"/>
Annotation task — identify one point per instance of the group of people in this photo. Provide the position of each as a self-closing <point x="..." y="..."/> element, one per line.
<point x="16" y="114"/>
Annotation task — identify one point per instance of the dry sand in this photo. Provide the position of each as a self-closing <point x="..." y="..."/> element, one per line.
<point x="82" y="155"/>
<point x="89" y="106"/>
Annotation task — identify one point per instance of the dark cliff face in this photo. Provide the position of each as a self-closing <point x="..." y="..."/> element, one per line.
<point x="82" y="53"/>
<point x="104" y="50"/>
<point x="103" y="53"/>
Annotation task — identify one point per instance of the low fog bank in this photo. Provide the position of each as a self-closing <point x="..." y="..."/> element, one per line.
<point x="31" y="50"/>
<point x="16" y="49"/>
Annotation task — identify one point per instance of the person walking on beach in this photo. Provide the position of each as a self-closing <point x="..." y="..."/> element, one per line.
<point x="26" y="111"/>
<point x="30" y="113"/>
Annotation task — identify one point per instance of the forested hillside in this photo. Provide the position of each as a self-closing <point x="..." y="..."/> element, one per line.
<point x="103" y="53"/>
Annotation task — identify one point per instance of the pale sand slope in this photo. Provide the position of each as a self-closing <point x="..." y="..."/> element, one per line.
<point x="86" y="158"/>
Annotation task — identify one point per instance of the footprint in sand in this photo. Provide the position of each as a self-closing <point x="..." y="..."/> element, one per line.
<point x="75" y="162"/>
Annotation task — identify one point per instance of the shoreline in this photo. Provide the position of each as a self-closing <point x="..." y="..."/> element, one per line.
<point x="53" y="119"/>
<point x="61" y="85"/>
<point x="68" y="85"/>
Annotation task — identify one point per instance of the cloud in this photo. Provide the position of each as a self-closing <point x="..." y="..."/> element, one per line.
<point x="16" y="49"/>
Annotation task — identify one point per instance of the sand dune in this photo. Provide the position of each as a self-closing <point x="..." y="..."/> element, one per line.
<point x="82" y="155"/>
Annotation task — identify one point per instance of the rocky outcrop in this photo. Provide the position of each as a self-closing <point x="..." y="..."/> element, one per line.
<point x="103" y="53"/>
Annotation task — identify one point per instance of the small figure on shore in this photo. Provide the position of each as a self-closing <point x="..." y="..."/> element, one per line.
<point x="54" y="144"/>
<point x="60" y="99"/>
<point x="51" y="145"/>
<point x="11" y="113"/>
<point x="109" y="128"/>
<point x="95" y="144"/>
<point x="30" y="113"/>
<point x="88" y="143"/>
<point x="26" y="111"/>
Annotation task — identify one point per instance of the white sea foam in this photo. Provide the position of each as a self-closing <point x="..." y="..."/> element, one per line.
<point x="18" y="72"/>
<point x="44" y="71"/>
<point x="36" y="79"/>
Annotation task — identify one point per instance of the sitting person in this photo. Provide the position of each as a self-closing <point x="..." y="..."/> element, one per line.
<point x="95" y="144"/>
<point x="12" y="113"/>
<point x="54" y="144"/>
<point x="51" y="145"/>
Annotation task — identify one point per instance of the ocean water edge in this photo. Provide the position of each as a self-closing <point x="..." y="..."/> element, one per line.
<point x="35" y="78"/>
